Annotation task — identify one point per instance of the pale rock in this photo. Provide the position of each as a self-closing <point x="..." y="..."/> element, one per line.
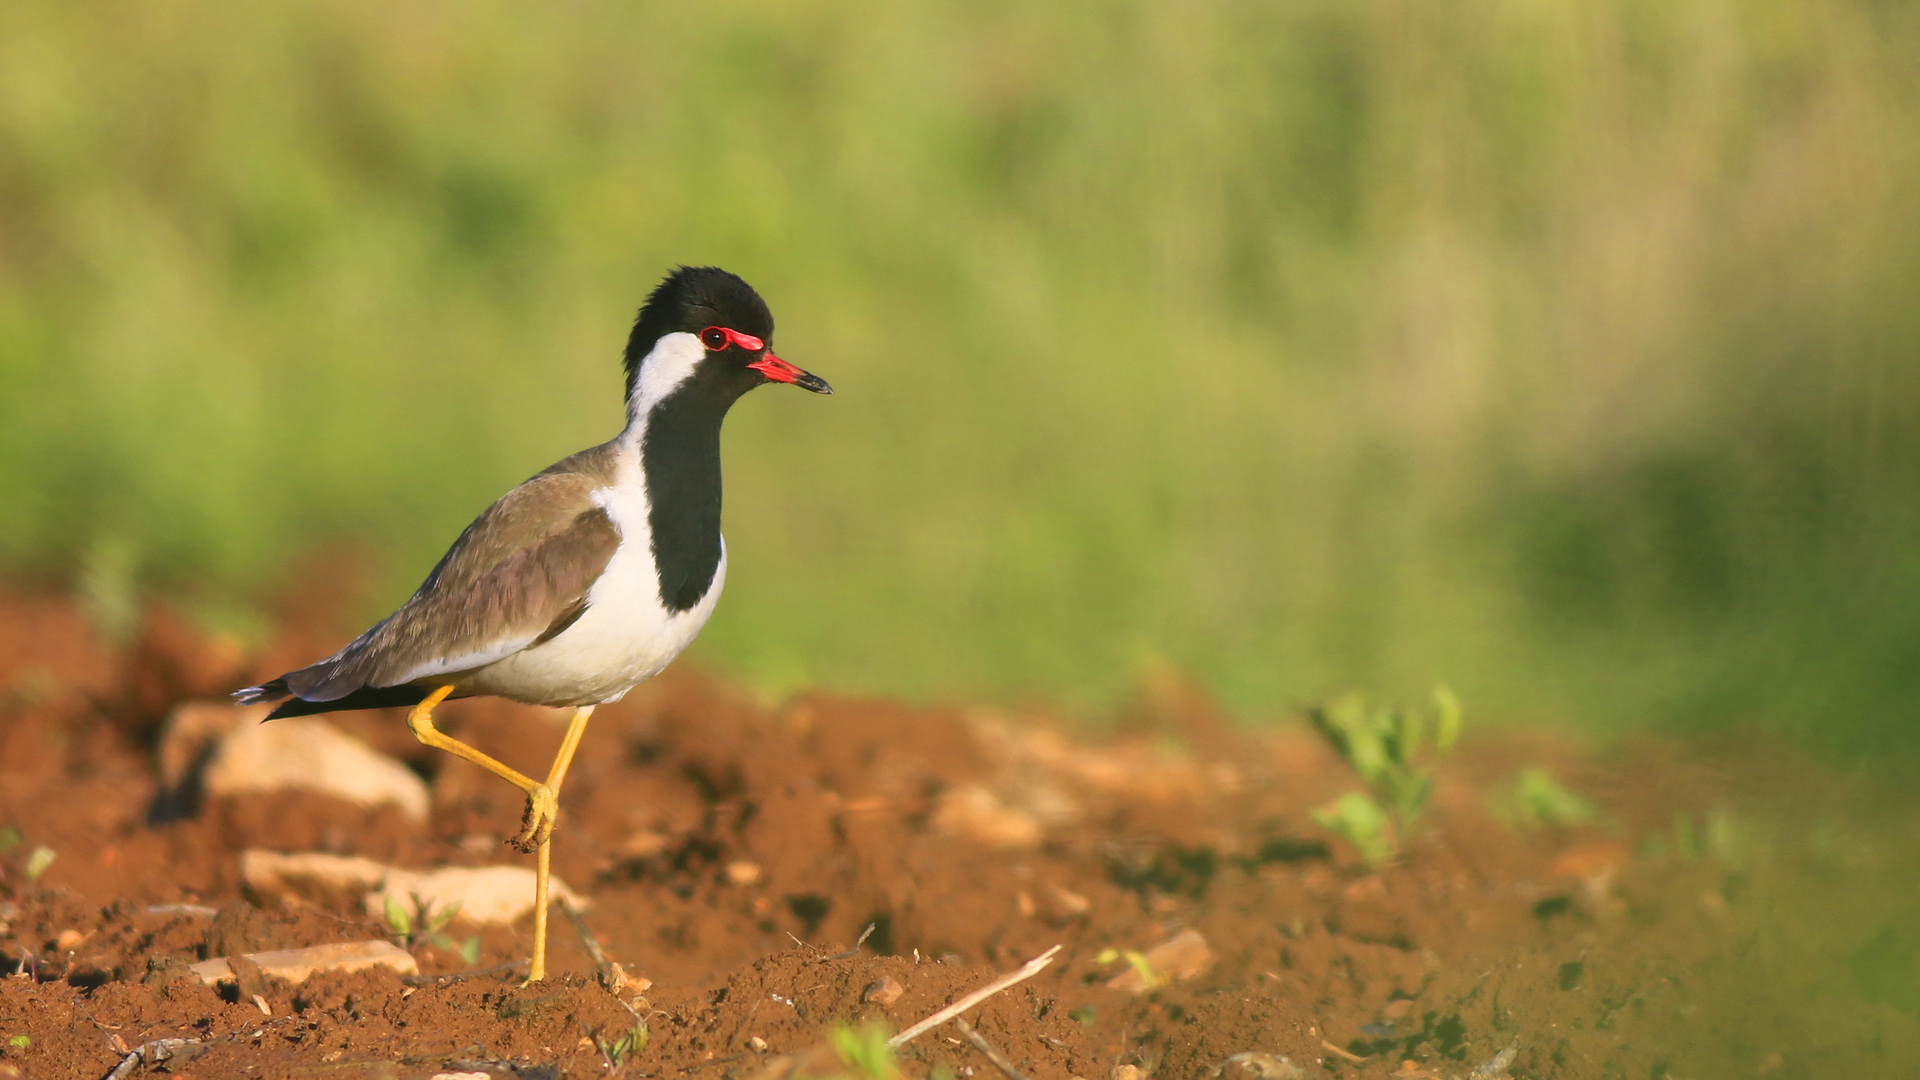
<point x="742" y="872"/>
<point x="193" y="729"/>
<point x="1250" y="1065"/>
<point x="297" y="965"/>
<point x="487" y="895"/>
<point x="1180" y="957"/>
<point x="313" y="755"/>
<point x="973" y="812"/>
<point x="1126" y="1072"/>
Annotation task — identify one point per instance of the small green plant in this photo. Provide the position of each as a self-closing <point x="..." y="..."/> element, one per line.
<point x="38" y="862"/>
<point x="1135" y="960"/>
<point x="19" y="1042"/>
<point x="865" y="1051"/>
<point x="1392" y="751"/>
<point x="1535" y="799"/>
<point x="627" y="1046"/>
<point x="1357" y="819"/>
<point x="424" y="926"/>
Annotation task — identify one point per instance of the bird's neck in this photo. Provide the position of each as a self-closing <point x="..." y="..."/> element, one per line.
<point x="677" y="445"/>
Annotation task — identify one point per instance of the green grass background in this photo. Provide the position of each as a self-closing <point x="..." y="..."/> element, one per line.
<point x="1567" y="352"/>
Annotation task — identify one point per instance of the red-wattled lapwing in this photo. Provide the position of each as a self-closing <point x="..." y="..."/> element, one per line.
<point x="587" y="579"/>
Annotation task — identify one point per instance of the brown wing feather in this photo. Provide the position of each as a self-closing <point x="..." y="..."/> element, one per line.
<point x="519" y="574"/>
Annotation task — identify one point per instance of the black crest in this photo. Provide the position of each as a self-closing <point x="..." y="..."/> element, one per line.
<point x="691" y="299"/>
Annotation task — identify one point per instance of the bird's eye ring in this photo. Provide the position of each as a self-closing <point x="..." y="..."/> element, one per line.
<point x="714" y="338"/>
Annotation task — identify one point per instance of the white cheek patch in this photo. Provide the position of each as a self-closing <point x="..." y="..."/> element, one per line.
<point x="672" y="362"/>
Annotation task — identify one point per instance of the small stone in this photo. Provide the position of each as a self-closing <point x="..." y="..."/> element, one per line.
<point x="1125" y="1072"/>
<point x="884" y="992"/>
<point x="742" y="872"/>
<point x="1063" y="904"/>
<point x="1251" y="1065"/>
<point x="1397" y="1008"/>
<point x="973" y="812"/>
<point x="312" y="755"/>
<point x="643" y="845"/>
<point x="296" y="965"/>
<point x="1180" y="957"/>
<point x="68" y="939"/>
<point x="623" y="985"/>
<point x="756" y="1044"/>
<point x="487" y="895"/>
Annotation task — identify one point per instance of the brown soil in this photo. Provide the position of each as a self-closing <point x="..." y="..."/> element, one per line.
<point x="1777" y="943"/>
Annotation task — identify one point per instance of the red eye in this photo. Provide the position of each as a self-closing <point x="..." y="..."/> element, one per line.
<point x="713" y="338"/>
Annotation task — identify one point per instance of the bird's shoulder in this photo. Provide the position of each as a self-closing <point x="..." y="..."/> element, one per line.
<point x="552" y="518"/>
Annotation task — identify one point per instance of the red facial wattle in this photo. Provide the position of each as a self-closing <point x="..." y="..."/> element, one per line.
<point x="716" y="338"/>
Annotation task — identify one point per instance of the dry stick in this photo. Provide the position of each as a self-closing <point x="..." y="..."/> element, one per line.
<point x="586" y="937"/>
<point x="1348" y="1054"/>
<point x="1027" y="971"/>
<point x="151" y="1053"/>
<point x="864" y="935"/>
<point x="999" y="1060"/>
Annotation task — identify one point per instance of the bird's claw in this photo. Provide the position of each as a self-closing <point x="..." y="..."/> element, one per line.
<point x="537" y="824"/>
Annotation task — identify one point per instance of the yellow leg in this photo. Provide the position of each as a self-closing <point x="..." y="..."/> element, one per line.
<point x="555" y="777"/>
<point x="543" y="802"/>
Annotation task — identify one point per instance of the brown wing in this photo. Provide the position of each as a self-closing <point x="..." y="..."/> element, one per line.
<point x="517" y="576"/>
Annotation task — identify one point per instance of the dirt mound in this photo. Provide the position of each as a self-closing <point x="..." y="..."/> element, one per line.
<point x="734" y="852"/>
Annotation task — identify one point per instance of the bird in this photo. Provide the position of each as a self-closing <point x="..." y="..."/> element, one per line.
<point x="587" y="579"/>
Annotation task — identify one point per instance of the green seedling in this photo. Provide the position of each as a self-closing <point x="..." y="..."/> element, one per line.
<point x="38" y="862"/>
<point x="1536" y="799"/>
<point x="424" y="926"/>
<point x="1392" y="751"/>
<point x="627" y="1046"/>
<point x="1359" y="821"/>
<point x="1135" y="960"/>
<point x="865" y="1051"/>
<point x="19" y="1042"/>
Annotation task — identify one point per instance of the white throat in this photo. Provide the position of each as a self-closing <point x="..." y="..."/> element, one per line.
<point x="672" y="362"/>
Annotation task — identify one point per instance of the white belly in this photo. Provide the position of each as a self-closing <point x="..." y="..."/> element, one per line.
<point x="626" y="636"/>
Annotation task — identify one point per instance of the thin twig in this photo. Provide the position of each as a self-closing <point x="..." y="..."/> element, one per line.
<point x="1027" y="971"/>
<point x="148" y="1053"/>
<point x="864" y="935"/>
<point x="1348" y="1054"/>
<point x="803" y="944"/>
<point x="586" y="936"/>
<point x="999" y="1060"/>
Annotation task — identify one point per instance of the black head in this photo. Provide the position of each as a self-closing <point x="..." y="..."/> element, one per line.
<point x="731" y="324"/>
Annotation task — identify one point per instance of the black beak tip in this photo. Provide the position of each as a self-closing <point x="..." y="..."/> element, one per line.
<point x="814" y="383"/>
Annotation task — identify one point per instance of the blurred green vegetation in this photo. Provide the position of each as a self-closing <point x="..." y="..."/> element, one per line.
<point x="1564" y="351"/>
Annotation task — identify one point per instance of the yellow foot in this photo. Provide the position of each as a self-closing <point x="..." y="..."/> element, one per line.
<point x="543" y="809"/>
